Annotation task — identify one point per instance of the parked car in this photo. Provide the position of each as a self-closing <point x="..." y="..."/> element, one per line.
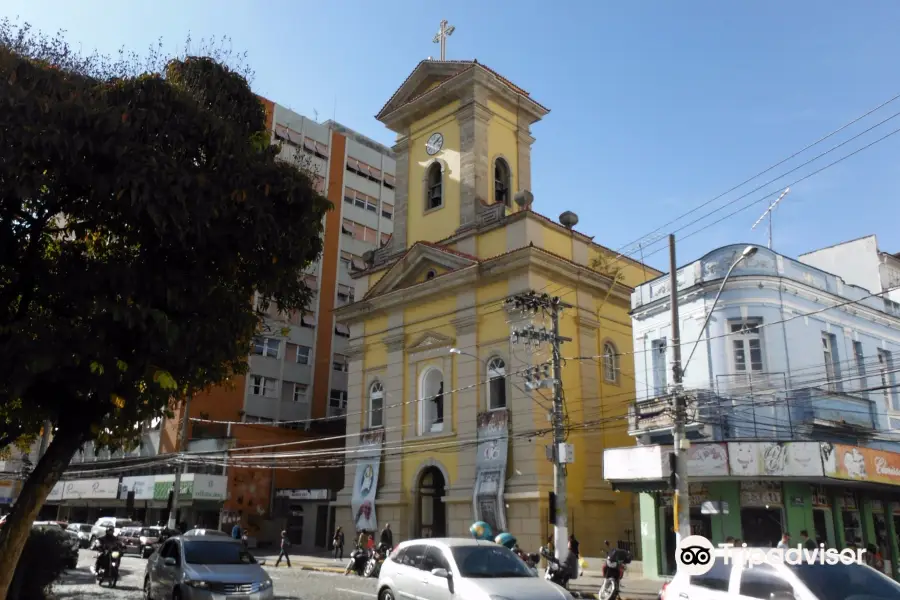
<point x="731" y="579"/>
<point x="117" y="523"/>
<point x="68" y="539"/>
<point x="140" y="540"/>
<point x="198" y="531"/>
<point x="438" y="568"/>
<point x="205" y="566"/>
<point x="83" y="532"/>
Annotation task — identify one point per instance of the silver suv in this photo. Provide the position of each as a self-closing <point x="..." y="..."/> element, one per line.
<point x="204" y="567"/>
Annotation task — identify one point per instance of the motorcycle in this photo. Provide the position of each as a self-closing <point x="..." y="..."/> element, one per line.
<point x="373" y="565"/>
<point x="531" y="560"/>
<point x="108" y="567"/>
<point x="556" y="573"/>
<point x="613" y="572"/>
<point x="358" y="560"/>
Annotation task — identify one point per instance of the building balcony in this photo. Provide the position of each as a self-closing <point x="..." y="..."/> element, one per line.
<point x="761" y="409"/>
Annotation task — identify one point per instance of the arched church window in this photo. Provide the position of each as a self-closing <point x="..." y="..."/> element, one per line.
<point x="502" y="182"/>
<point x="496" y="383"/>
<point x="376" y="405"/>
<point x="610" y="362"/>
<point x="434" y="187"/>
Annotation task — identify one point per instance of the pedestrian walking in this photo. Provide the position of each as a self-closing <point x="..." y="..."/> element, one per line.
<point x="387" y="537"/>
<point x="285" y="546"/>
<point x="338" y="543"/>
<point x="244" y="540"/>
<point x="785" y="542"/>
<point x="236" y="531"/>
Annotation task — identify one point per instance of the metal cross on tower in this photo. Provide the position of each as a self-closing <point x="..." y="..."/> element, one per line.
<point x="441" y="36"/>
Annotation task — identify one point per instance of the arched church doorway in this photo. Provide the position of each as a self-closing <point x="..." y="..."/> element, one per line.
<point x="432" y="513"/>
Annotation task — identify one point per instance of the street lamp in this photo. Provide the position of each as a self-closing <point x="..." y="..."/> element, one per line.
<point x="747" y="253"/>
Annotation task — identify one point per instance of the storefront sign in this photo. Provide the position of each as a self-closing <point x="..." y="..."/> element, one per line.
<point x="860" y="464"/>
<point x="490" y="468"/>
<point x="7" y="491"/>
<point x="708" y="460"/>
<point x="365" y="485"/>
<point x="697" y="492"/>
<point x="210" y="487"/>
<point x="761" y="493"/>
<point x="56" y="493"/>
<point x="775" y="459"/>
<point x="165" y="483"/>
<point x="91" y="489"/>
<point x="141" y="486"/>
<point x="636" y="463"/>
<point x="304" y="495"/>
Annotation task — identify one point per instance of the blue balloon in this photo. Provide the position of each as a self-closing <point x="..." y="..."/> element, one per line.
<point x="506" y="539"/>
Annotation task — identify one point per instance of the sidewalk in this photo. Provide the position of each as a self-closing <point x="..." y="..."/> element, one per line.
<point x="585" y="586"/>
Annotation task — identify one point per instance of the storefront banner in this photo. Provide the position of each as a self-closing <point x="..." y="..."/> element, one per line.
<point x="210" y="487"/>
<point x="365" y="485"/>
<point x="697" y="492"/>
<point x="7" y="491"/>
<point x="303" y="494"/>
<point x="56" y="493"/>
<point x="775" y="459"/>
<point x="761" y="494"/>
<point x="708" y="460"/>
<point x="860" y="464"/>
<point x="91" y="489"/>
<point x="490" y="468"/>
<point x="637" y="463"/>
<point x="165" y="483"/>
<point x="141" y="486"/>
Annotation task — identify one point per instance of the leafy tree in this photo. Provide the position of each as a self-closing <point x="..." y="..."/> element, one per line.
<point x="140" y="209"/>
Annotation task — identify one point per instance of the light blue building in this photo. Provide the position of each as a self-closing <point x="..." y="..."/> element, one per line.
<point x="794" y="411"/>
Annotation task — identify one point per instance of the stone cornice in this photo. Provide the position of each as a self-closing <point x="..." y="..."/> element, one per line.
<point x="355" y="351"/>
<point x="586" y="324"/>
<point x="559" y="270"/>
<point x="401" y="145"/>
<point x="474" y="110"/>
<point x="394" y="342"/>
<point x="466" y="324"/>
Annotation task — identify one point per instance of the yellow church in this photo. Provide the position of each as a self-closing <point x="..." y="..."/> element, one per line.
<point x="433" y="367"/>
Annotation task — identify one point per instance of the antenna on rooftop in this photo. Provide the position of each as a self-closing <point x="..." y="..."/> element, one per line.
<point x="769" y="213"/>
<point x="316" y="115"/>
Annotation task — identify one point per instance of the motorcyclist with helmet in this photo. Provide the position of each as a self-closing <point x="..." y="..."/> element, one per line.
<point x="106" y="544"/>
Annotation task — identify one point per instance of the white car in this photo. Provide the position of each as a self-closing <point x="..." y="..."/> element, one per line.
<point x="117" y="523"/>
<point x="816" y="581"/>
<point x="444" y="568"/>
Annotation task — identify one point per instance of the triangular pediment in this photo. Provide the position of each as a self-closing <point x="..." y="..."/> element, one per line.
<point x="426" y="74"/>
<point x="412" y="268"/>
<point x="430" y="340"/>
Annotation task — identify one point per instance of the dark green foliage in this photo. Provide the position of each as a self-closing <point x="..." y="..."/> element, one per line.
<point x="45" y="557"/>
<point x="139" y="212"/>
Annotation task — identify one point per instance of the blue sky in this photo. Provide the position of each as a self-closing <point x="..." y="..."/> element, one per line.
<point x="656" y="107"/>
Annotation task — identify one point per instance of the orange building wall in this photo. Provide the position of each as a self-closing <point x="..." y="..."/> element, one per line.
<point x="328" y="281"/>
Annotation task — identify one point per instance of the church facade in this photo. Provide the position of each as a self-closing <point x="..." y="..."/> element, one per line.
<point x="445" y="422"/>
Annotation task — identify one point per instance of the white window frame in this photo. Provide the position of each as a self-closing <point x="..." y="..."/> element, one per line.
<point x="308" y="359"/>
<point x="259" y="386"/>
<point x="341" y="398"/>
<point x="610" y="362"/>
<point x="495" y="371"/>
<point x="734" y="336"/>
<point x="888" y="379"/>
<point x="268" y="344"/>
<point x="830" y="359"/>
<point x="659" y="387"/>
<point x="859" y="358"/>
<point x="376" y="392"/>
<point x="339" y="366"/>
<point x="300" y="392"/>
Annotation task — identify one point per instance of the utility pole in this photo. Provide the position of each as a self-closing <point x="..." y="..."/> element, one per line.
<point x="681" y="509"/>
<point x="533" y="303"/>
<point x="182" y="443"/>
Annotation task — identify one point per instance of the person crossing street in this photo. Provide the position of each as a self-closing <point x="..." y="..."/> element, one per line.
<point x="285" y="546"/>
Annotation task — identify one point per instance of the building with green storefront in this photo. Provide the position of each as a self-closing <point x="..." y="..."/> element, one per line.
<point x="793" y="407"/>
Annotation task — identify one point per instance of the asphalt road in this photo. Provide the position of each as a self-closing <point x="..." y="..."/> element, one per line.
<point x="289" y="583"/>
